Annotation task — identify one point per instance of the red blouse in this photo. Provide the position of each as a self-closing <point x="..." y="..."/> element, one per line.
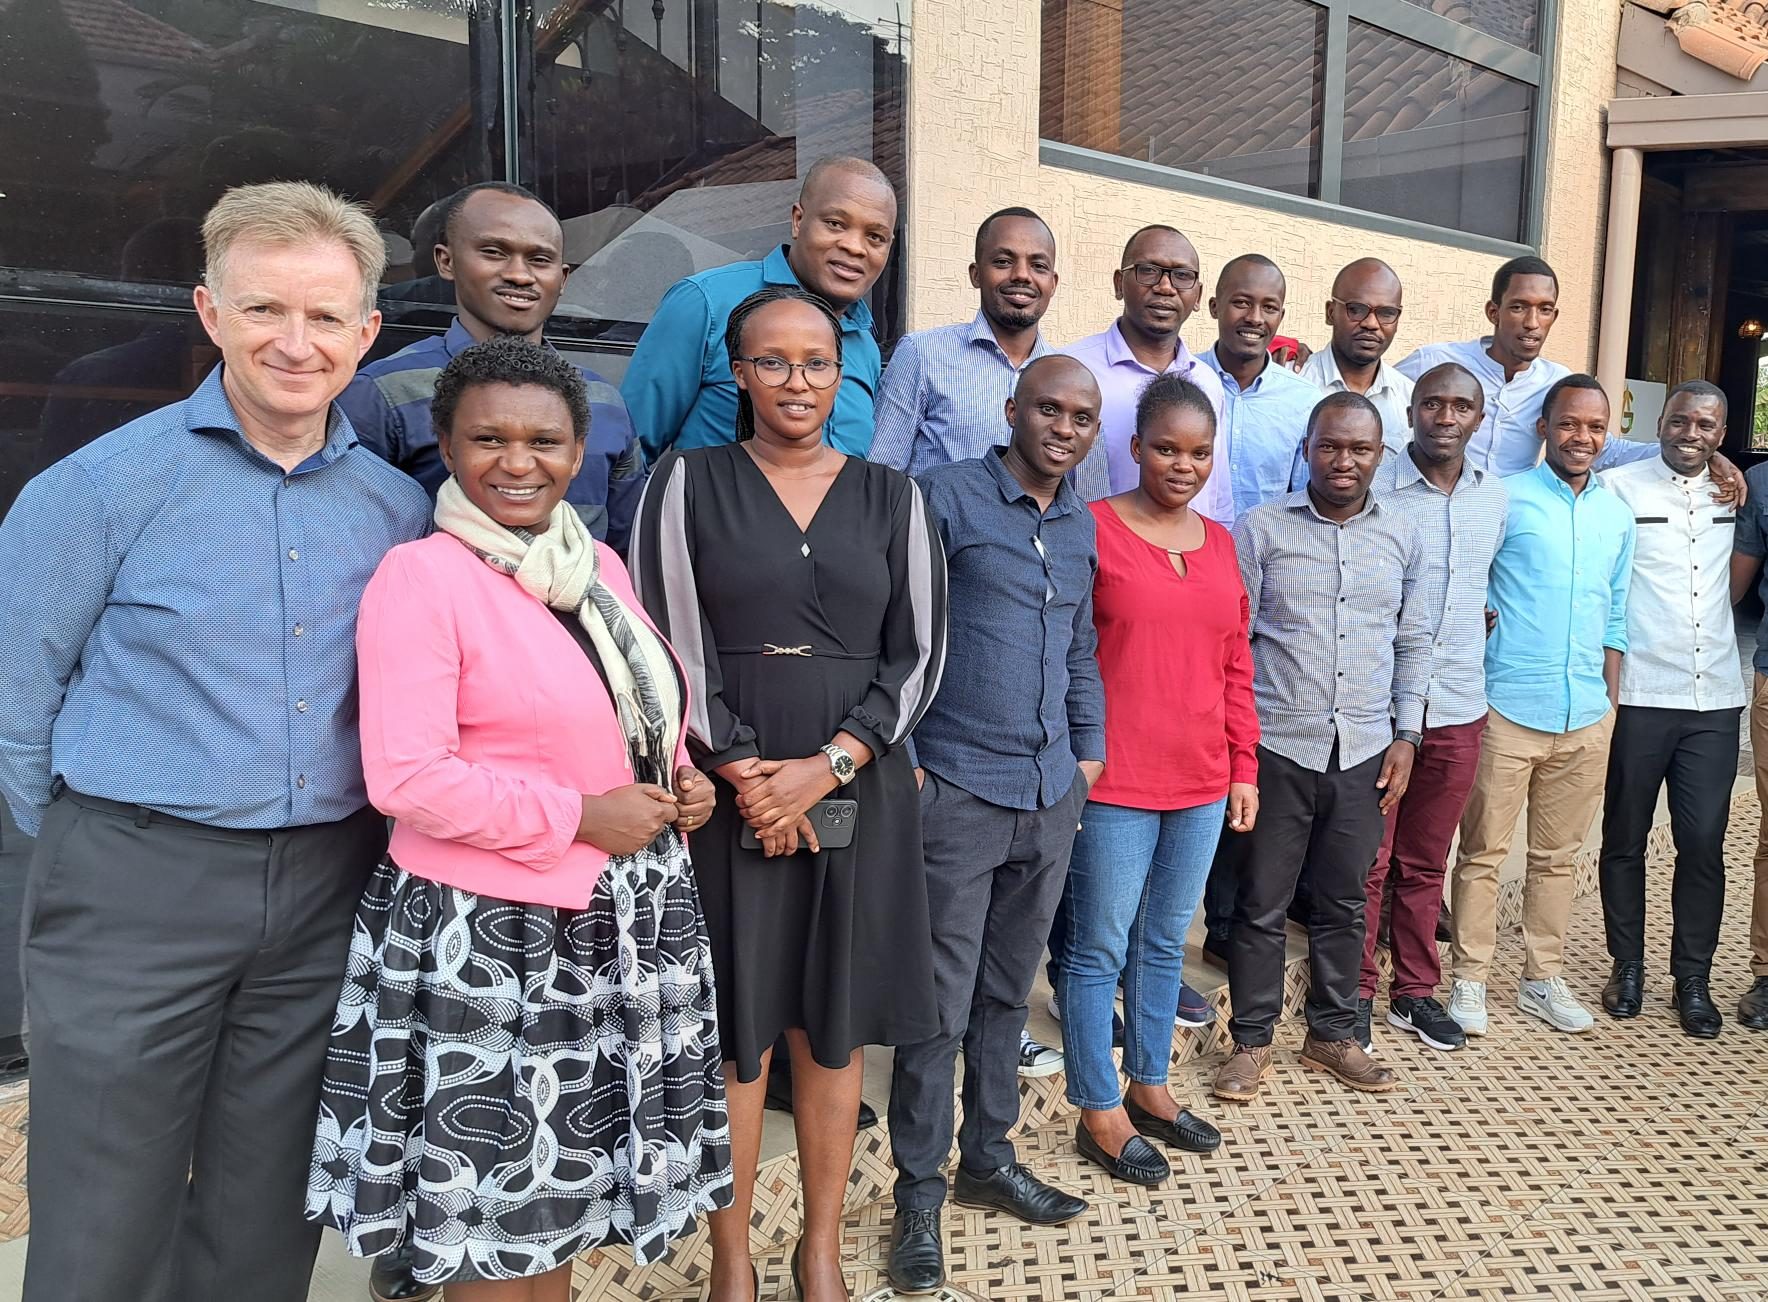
<point x="1177" y="664"/>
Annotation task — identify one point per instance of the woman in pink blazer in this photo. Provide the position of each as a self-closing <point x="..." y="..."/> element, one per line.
<point x="525" y="1062"/>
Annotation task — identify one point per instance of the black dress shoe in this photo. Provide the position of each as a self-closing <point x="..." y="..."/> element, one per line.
<point x="917" y="1257"/>
<point x="1752" y="1009"/>
<point x="1624" y="995"/>
<point x="778" y="1100"/>
<point x="1215" y="948"/>
<point x="1187" y="1132"/>
<point x="390" y="1279"/>
<point x="1137" y="1163"/>
<point x="1693" y="1003"/>
<point x="1445" y="928"/>
<point x="868" y="1117"/>
<point x="1016" y="1191"/>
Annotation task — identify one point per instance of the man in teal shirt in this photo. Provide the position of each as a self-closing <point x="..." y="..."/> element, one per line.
<point x="679" y="388"/>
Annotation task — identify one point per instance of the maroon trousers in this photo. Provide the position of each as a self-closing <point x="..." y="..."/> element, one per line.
<point x="1419" y="832"/>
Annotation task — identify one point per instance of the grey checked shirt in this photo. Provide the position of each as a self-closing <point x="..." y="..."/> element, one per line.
<point x="1341" y="638"/>
<point x="1460" y="532"/>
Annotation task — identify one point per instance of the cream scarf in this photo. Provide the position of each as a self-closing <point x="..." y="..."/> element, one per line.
<point x="562" y="568"/>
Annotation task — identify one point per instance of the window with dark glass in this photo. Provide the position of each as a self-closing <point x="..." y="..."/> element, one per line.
<point x="1423" y="110"/>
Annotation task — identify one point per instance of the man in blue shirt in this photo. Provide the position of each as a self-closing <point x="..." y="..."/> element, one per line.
<point x="679" y="387"/>
<point x="1553" y="662"/>
<point x="178" y="728"/>
<point x="1750" y="547"/>
<point x="1006" y="754"/>
<point x="942" y="394"/>
<point x="503" y="249"/>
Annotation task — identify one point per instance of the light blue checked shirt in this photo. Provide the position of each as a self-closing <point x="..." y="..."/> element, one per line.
<point x="944" y="396"/>
<point x="1460" y="532"/>
<point x="1263" y="428"/>
<point x="180" y="620"/>
<point x="1341" y="637"/>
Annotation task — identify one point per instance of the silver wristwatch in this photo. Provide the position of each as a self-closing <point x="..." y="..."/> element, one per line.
<point x="840" y="763"/>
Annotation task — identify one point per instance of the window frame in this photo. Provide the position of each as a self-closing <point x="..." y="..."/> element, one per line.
<point x="1410" y="22"/>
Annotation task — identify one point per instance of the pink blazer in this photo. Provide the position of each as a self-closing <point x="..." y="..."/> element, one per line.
<point x="483" y="725"/>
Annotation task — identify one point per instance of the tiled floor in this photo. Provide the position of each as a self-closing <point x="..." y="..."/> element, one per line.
<point x="1629" y="1163"/>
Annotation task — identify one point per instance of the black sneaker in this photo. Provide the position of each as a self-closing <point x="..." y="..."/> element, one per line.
<point x="1425" y="1018"/>
<point x="1365" y="1015"/>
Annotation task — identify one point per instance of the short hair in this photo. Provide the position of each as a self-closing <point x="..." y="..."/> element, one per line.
<point x="1002" y="213"/>
<point x="1171" y="392"/>
<point x="426" y="234"/>
<point x="733" y="338"/>
<point x="509" y="359"/>
<point x="1702" y="389"/>
<point x="452" y="205"/>
<point x="288" y="213"/>
<point x="1250" y="260"/>
<point x="1346" y="400"/>
<point x="1576" y="380"/>
<point x="1454" y="368"/>
<point x="1136" y="235"/>
<point x="1524" y="266"/>
<point x="849" y="163"/>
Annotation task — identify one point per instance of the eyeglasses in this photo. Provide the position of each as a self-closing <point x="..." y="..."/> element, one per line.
<point x="819" y="372"/>
<point x="1148" y="274"/>
<point x="1386" y="314"/>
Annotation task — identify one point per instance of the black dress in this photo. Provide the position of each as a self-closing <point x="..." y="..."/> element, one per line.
<point x="789" y="637"/>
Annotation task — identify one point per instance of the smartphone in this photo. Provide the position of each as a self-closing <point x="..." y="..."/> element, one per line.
<point x="832" y="819"/>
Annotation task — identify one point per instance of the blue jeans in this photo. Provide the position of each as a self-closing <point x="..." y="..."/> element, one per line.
<point x="1133" y="883"/>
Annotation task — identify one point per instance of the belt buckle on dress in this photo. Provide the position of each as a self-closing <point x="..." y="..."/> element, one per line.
<point x="773" y="649"/>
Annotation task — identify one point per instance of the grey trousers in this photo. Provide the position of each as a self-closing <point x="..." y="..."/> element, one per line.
<point x="180" y="983"/>
<point x="994" y="878"/>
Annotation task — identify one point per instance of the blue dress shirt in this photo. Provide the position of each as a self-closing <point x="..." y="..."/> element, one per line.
<point x="1752" y="540"/>
<point x="1559" y="584"/>
<point x="181" y="620"/>
<point x="388" y="403"/>
<point x="1021" y="701"/>
<point x="1263" y="428"/>
<point x="679" y="388"/>
<point x="944" y="396"/>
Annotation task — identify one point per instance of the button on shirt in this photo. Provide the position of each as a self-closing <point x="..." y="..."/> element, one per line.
<point x="1559" y="584"/>
<point x="1109" y="468"/>
<point x="1391" y="392"/>
<point x="944" y="396"/>
<point x="388" y="404"/>
<point x="1341" y="639"/>
<point x="1460" y="532"/>
<point x="1752" y="540"/>
<point x="1508" y="441"/>
<point x="679" y="386"/>
<point x="183" y="620"/>
<point x="1260" y="438"/>
<point x="1681" y="644"/>
<point x="1021" y="701"/>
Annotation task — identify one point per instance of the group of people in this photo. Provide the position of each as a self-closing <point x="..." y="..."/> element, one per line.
<point x="911" y="675"/>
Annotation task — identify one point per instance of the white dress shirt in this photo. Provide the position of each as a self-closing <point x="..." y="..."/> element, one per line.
<point x="1391" y="393"/>
<point x="1681" y="646"/>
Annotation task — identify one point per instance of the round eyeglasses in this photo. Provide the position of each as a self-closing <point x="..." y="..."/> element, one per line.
<point x="819" y="372"/>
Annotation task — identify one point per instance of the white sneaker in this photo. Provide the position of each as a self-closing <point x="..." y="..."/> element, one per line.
<point x="1467" y="1005"/>
<point x="1552" y="1002"/>
<point x="1036" y="1059"/>
<point x="1055" y="1008"/>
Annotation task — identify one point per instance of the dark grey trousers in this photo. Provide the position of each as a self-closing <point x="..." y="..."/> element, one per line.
<point x="180" y="983"/>
<point x="994" y="877"/>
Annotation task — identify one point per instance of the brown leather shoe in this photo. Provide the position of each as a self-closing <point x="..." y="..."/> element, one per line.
<point x="1346" y="1060"/>
<point x="1239" y="1077"/>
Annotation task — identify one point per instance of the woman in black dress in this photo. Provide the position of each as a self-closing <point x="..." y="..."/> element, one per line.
<point x="805" y="593"/>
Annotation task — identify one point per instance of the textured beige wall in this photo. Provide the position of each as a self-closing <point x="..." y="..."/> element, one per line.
<point x="973" y="112"/>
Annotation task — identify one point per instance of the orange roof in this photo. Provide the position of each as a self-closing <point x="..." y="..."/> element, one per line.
<point x="1731" y="35"/>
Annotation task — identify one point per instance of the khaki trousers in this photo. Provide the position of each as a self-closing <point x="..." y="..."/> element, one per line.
<point x="1759" y="905"/>
<point x="1561" y="775"/>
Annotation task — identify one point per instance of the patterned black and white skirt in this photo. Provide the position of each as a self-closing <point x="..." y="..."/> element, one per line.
<point x="509" y="1085"/>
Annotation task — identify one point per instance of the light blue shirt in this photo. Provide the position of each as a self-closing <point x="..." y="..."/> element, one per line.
<point x="679" y="390"/>
<point x="1263" y="428"/>
<point x="1559" y="584"/>
<point x="180" y="616"/>
<point x="1508" y="441"/>
<point x="944" y="396"/>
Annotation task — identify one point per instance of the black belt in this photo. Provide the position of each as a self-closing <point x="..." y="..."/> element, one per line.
<point x="142" y="815"/>
<point x="802" y="649"/>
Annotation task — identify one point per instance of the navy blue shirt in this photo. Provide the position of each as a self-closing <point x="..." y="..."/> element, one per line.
<point x="1021" y="702"/>
<point x="1752" y="540"/>
<point x="180" y="619"/>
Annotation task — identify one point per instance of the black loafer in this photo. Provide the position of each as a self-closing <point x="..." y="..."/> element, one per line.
<point x="1187" y="1132"/>
<point x="1752" y="1009"/>
<point x="1693" y="1003"/>
<point x="1138" y="1163"/>
<point x="1624" y="995"/>
<point x="390" y="1279"/>
<point x="1016" y="1191"/>
<point x="917" y="1257"/>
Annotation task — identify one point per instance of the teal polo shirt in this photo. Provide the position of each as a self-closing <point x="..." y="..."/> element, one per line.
<point x="679" y="390"/>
